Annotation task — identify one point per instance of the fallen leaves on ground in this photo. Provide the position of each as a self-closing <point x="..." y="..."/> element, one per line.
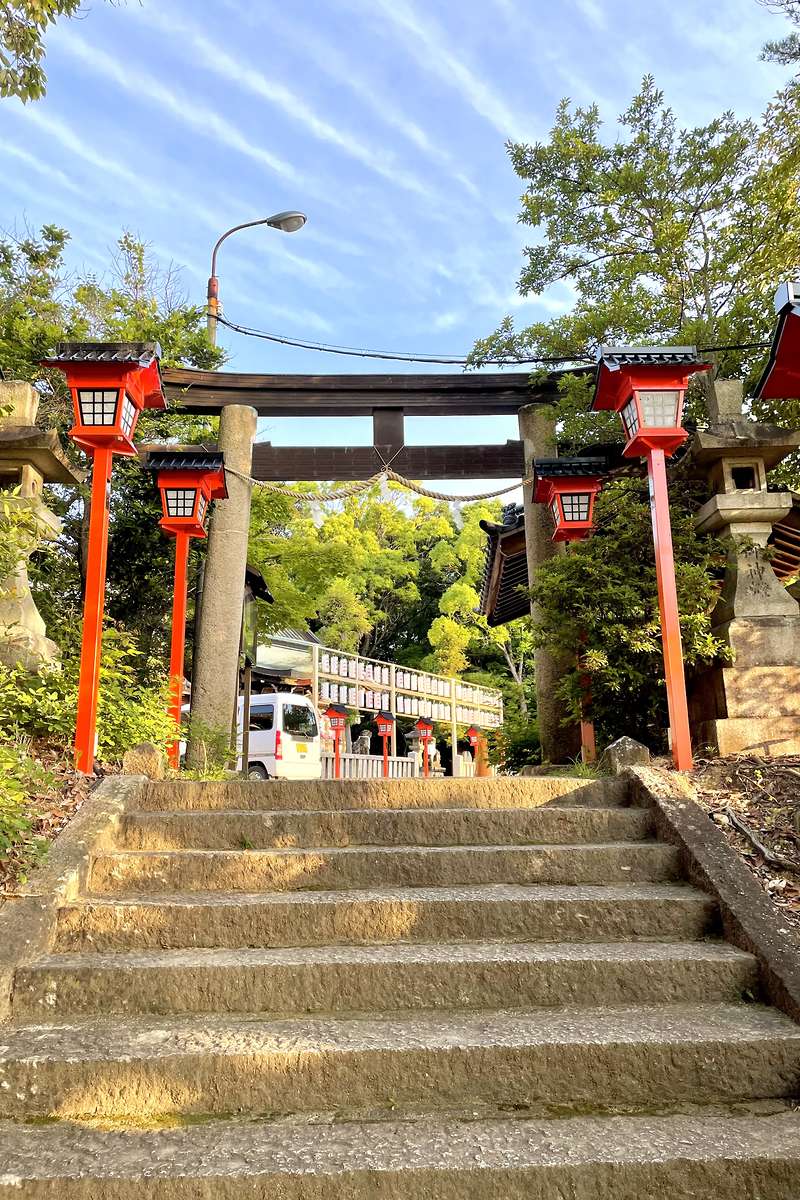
<point x="764" y="795"/>
<point x="50" y="810"/>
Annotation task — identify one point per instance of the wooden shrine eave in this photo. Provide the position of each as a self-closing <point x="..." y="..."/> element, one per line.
<point x="468" y="393"/>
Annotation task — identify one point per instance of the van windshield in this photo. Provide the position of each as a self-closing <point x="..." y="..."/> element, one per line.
<point x="299" y="719"/>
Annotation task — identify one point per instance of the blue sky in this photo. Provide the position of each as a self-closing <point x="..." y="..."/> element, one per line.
<point x="384" y="120"/>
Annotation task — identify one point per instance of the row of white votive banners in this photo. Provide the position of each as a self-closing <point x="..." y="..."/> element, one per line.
<point x="410" y="681"/>
<point x="408" y="706"/>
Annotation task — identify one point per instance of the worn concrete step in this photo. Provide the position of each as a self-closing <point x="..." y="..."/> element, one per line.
<point x="571" y="1057"/>
<point x="406" y="866"/>
<point x="377" y="978"/>
<point x="230" y="830"/>
<point x="330" y="795"/>
<point x="702" y="1155"/>
<point x="662" y="912"/>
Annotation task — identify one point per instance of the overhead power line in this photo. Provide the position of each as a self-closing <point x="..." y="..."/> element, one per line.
<point x="391" y="355"/>
<point x="450" y="360"/>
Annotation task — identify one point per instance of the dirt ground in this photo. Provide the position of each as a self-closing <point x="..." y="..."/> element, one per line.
<point x="756" y="804"/>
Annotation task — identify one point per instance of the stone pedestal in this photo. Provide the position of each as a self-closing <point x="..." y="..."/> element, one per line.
<point x="29" y="457"/>
<point x="22" y="630"/>
<point x="752" y="702"/>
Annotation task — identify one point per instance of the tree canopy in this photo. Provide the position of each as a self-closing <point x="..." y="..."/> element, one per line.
<point x="663" y="233"/>
<point x="785" y="50"/>
<point x="23" y="24"/>
<point x="388" y="577"/>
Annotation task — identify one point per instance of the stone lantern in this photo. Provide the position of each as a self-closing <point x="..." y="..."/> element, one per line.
<point x="29" y="458"/>
<point x="751" y="703"/>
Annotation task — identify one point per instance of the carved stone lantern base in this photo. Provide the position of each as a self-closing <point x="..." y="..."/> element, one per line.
<point x="752" y="702"/>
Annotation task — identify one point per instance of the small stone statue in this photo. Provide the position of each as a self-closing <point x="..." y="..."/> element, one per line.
<point x="363" y="742"/>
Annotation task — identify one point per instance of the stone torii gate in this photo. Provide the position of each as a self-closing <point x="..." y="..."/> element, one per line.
<point x="388" y="399"/>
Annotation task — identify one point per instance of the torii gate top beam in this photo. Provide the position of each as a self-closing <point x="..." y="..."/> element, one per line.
<point x="453" y="395"/>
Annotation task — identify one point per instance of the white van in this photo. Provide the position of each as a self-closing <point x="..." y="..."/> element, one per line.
<point x="285" y="740"/>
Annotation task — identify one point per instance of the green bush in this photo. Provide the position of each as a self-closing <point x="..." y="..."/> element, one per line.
<point x="515" y="745"/>
<point x="20" y="778"/>
<point x="129" y="711"/>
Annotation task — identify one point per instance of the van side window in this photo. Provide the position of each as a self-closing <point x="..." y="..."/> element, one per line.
<point x="299" y="719"/>
<point x="262" y="717"/>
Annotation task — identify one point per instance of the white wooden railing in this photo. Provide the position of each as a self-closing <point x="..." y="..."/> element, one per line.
<point x="370" y="766"/>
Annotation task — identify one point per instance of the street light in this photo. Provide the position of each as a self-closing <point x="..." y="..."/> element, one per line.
<point x="646" y="386"/>
<point x="188" y="482"/>
<point x="288" y="222"/>
<point x="110" y="383"/>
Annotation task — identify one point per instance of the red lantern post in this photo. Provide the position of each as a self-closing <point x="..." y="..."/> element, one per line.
<point x="385" y="723"/>
<point x="337" y="715"/>
<point x="188" y="482"/>
<point x="425" y="728"/>
<point x="569" y="486"/>
<point x="110" y="383"/>
<point x="647" y="386"/>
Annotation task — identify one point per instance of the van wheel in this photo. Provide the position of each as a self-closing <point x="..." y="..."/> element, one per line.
<point x="256" y="771"/>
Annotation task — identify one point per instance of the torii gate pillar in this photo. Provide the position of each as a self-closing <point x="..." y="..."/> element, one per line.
<point x="560" y="742"/>
<point x="215" y="673"/>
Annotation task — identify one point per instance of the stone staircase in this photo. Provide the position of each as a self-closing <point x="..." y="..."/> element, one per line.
<point x="363" y="991"/>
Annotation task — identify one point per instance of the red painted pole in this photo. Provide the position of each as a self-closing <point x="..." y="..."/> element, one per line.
<point x="668" y="604"/>
<point x="93" y="605"/>
<point x="588" y="741"/>
<point x="337" y="761"/>
<point x="425" y="757"/>
<point x="178" y="641"/>
<point x="385" y="756"/>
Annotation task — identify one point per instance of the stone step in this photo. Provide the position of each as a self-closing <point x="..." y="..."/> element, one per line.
<point x="329" y="795"/>
<point x="661" y="912"/>
<point x="406" y="866"/>
<point x="378" y="978"/>
<point x="570" y="1057"/>
<point x="702" y="1155"/>
<point x="229" y="829"/>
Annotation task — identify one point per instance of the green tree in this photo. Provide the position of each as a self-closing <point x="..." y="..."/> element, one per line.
<point x="461" y="625"/>
<point x="665" y="234"/>
<point x="603" y="596"/>
<point x="785" y="50"/>
<point x="390" y="579"/>
<point x="42" y="303"/>
<point x="23" y="24"/>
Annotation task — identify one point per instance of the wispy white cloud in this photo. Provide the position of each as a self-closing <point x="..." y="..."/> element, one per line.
<point x="318" y="273"/>
<point x="81" y="148"/>
<point x="433" y="50"/>
<point x="593" y="12"/>
<point x="236" y="71"/>
<point x="53" y="174"/>
<point x="186" y="109"/>
<point x="348" y="73"/>
<point x="447" y="320"/>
